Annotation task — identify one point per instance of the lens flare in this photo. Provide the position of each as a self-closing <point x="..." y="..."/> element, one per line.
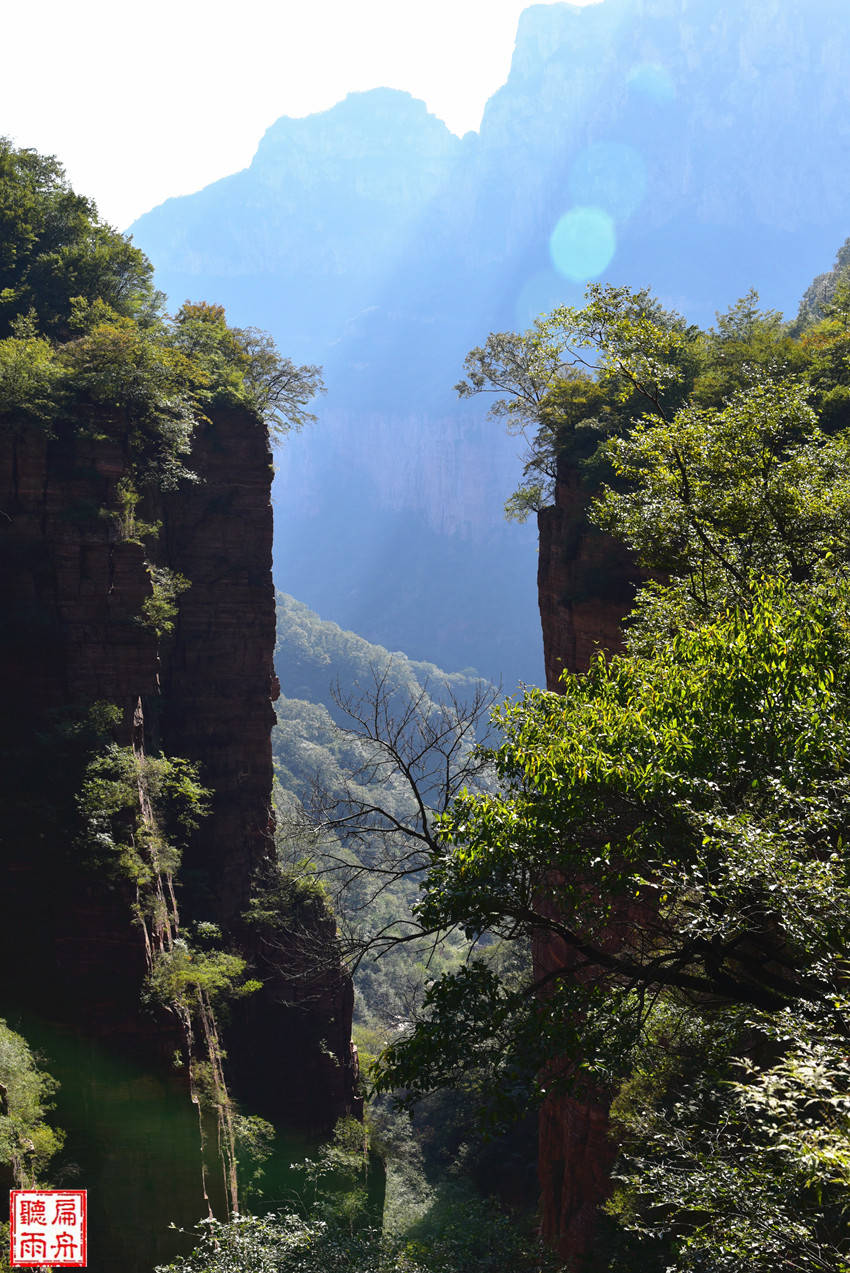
<point x="652" y="80"/>
<point x="583" y="243"/>
<point x="609" y="175"/>
<point x="540" y="294"/>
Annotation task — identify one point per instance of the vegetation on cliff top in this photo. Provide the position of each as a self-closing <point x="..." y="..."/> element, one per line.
<point x="93" y="370"/>
<point x="84" y="339"/>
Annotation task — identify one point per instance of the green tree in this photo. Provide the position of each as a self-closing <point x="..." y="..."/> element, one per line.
<point x="124" y="381"/>
<point x="579" y="375"/>
<point x="674" y="827"/>
<point x="27" y="1141"/>
<point x="54" y="247"/>
<point x="85" y="344"/>
<point x="715" y="498"/>
<point x="733" y="1163"/>
<point x="29" y="381"/>
<point x="671" y="826"/>
<point x="747" y="345"/>
<point x="243" y="367"/>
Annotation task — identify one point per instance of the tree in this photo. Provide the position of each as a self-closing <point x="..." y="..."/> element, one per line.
<point x="85" y="343"/>
<point x="674" y="827"/>
<point x="360" y="818"/>
<point x="715" y="498"/>
<point x="579" y="375"/>
<point x="27" y="1142"/>
<point x="243" y="367"/>
<point x="671" y="828"/>
<point x="54" y="247"/>
<point x="744" y="1165"/>
<point x="29" y="376"/>
<point x="426" y="742"/>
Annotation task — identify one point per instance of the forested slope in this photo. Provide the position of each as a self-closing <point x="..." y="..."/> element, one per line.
<point x="328" y="770"/>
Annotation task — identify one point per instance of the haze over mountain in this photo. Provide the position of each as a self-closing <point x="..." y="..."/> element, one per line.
<point x="697" y="146"/>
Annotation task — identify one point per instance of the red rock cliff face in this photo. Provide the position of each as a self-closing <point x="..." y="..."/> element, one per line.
<point x="586" y="583"/>
<point x="71" y="958"/>
<point x="69" y="637"/>
<point x="217" y="680"/>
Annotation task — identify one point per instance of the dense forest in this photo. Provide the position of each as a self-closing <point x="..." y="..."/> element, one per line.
<point x="630" y="890"/>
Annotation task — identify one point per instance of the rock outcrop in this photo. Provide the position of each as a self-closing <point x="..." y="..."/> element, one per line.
<point x="72" y="960"/>
<point x="586" y="582"/>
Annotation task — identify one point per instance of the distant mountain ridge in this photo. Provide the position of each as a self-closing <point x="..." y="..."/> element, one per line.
<point x="702" y="144"/>
<point x="332" y="198"/>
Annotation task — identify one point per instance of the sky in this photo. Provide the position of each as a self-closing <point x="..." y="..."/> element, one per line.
<point x="141" y="102"/>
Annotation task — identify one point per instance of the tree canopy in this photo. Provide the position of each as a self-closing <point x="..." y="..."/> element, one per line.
<point x="54" y="248"/>
<point x="85" y="341"/>
<point x="671" y="826"/>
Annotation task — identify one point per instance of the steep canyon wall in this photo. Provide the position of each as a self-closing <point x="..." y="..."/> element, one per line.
<point x="586" y="585"/>
<point x="72" y="958"/>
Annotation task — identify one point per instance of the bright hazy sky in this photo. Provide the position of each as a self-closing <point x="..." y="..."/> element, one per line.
<point x="141" y="102"/>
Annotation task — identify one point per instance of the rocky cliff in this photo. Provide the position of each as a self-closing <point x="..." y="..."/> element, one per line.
<point x="586" y="584"/>
<point x="72" y="958"/>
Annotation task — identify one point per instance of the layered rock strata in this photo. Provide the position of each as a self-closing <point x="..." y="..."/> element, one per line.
<point x="585" y="582"/>
<point x="586" y="585"/>
<point x="72" y="959"/>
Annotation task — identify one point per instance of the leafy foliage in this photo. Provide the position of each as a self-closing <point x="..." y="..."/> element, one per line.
<point x="84" y="342"/>
<point x="579" y="375"/>
<point x="28" y="381"/>
<point x="27" y="1141"/>
<point x="159" y="610"/>
<point x="473" y="1238"/>
<point x="717" y="497"/>
<point x="128" y="381"/>
<point x="54" y="248"/>
<point x="747" y="1168"/>
<point x="138" y="810"/>
<point x="674" y="827"/>
<point x="580" y="381"/>
<point x="716" y="766"/>
<point x="671" y="827"/>
<point x="242" y="367"/>
<point x="181" y="972"/>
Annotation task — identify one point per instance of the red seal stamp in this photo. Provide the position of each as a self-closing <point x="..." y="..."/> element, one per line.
<point x="47" y="1227"/>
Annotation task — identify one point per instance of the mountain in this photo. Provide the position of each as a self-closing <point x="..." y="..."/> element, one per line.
<point x="316" y="744"/>
<point x="696" y="146"/>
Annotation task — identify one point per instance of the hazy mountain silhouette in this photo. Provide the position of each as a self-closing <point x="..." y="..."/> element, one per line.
<point x="701" y="145"/>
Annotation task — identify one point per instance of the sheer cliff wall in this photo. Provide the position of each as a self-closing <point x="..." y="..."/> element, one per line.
<point x="72" y="958"/>
<point x="586" y="585"/>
